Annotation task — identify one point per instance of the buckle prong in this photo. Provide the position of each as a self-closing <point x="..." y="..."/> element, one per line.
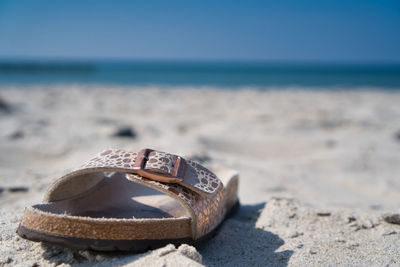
<point x="141" y="159"/>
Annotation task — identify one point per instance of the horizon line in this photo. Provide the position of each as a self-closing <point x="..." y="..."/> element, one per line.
<point x="80" y="60"/>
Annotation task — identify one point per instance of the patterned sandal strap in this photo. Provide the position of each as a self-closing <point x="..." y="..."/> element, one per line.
<point x="157" y="166"/>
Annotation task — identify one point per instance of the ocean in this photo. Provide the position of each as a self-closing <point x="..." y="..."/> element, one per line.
<point x="216" y="74"/>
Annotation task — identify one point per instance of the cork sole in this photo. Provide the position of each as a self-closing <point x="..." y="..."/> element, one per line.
<point x="114" y="245"/>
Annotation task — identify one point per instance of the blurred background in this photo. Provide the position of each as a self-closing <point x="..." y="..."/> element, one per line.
<point x="226" y="44"/>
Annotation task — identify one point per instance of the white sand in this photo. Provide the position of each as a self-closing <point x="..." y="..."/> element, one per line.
<point x="319" y="169"/>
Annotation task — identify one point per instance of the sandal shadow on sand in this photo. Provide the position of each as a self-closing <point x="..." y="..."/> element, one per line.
<point x="132" y="201"/>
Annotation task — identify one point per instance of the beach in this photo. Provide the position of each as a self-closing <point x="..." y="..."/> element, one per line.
<point x="319" y="169"/>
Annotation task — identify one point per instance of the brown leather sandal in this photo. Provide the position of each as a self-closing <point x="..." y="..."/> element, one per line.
<point x="132" y="201"/>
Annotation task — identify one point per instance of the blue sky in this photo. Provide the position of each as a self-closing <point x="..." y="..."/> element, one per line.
<point x="281" y="30"/>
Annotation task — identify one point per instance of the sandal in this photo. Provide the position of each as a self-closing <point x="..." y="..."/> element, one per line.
<point x="132" y="201"/>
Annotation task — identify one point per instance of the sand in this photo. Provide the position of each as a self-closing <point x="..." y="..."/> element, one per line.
<point x="320" y="170"/>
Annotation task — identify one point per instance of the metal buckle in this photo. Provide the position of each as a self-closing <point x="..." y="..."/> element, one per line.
<point x="140" y="164"/>
<point x="179" y="165"/>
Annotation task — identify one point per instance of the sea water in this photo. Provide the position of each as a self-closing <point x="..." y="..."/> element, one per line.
<point x="218" y="74"/>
